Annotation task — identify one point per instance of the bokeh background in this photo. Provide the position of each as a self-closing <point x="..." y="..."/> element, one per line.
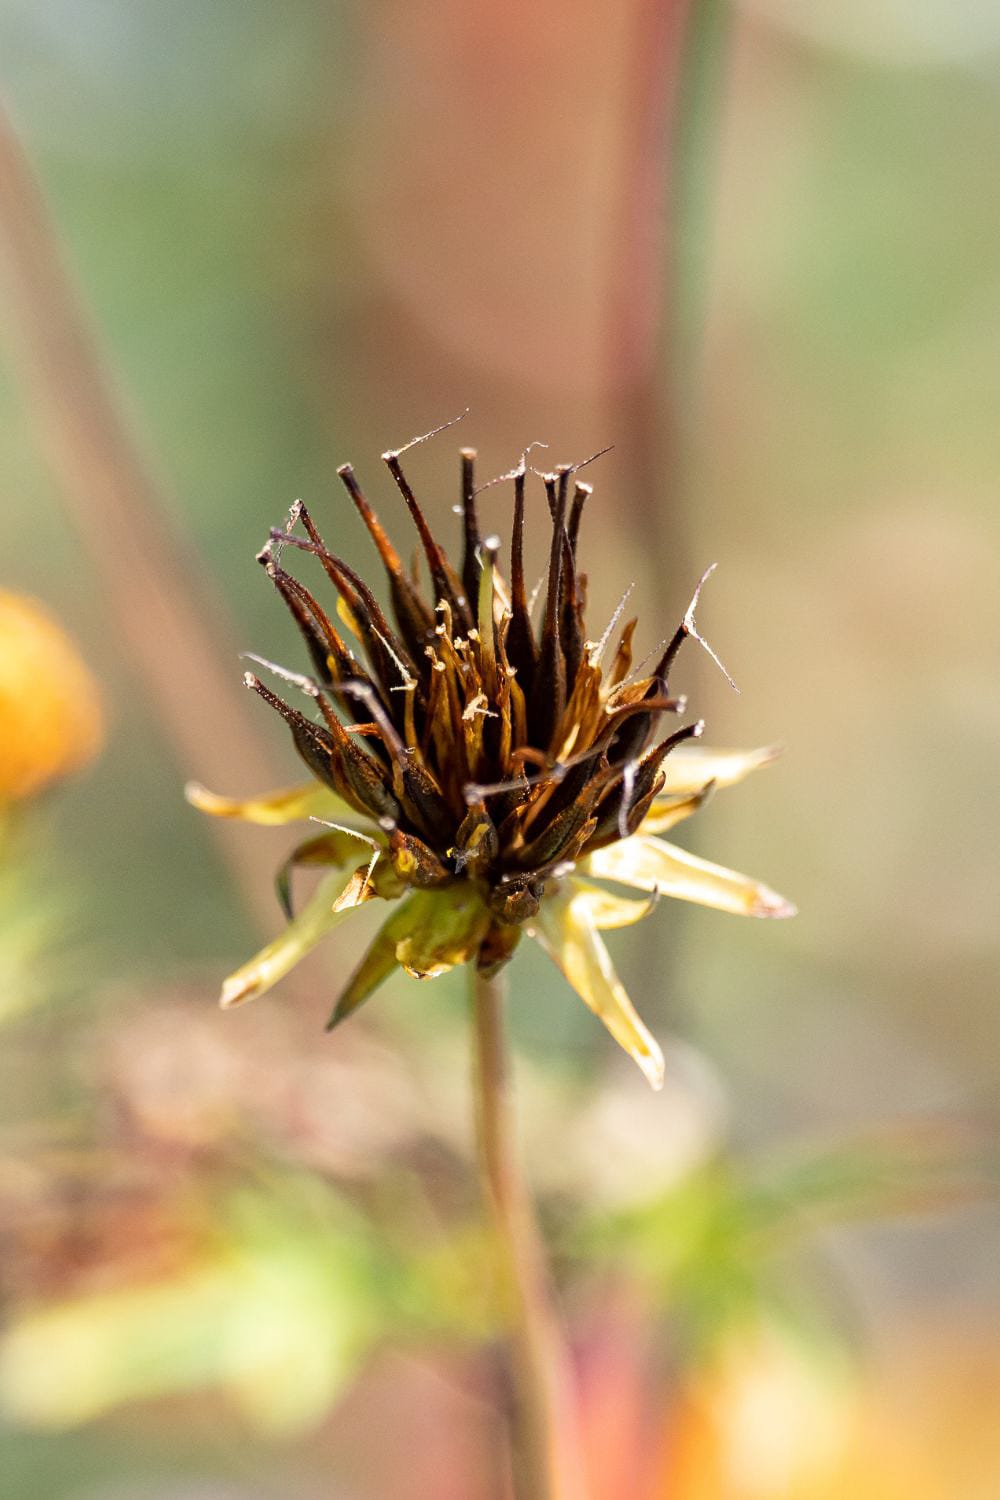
<point x="755" y="246"/>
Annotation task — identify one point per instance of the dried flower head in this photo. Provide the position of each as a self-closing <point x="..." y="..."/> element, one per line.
<point x="485" y="772"/>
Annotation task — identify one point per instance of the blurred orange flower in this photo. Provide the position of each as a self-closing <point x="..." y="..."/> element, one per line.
<point x="51" y="721"/>
<point x="772" y="1420"/>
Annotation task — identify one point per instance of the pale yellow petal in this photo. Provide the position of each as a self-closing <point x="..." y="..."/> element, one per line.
<point x="604" y="909"/>
<point x="647" y="864"/>
<point x="691" y="766"/>
<point x="581" y="955"/>
<point x="330" y="903"/>
<point x="290" y="804"/>
<point x="666" y="812"/>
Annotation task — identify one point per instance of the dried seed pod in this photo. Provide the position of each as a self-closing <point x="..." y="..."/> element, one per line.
<point x="488" y="764"/>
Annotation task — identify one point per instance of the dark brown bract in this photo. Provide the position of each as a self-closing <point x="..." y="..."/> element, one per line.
<point x="488" y="748"/>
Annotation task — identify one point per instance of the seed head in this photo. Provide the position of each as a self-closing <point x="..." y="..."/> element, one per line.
<point x="479" y="762"/>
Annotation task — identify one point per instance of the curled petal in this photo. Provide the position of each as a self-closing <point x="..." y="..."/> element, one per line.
<point x="357" y="890"/>
<point x="329" y="904"/>
<point x="691" y="766"/>
<point x="574" y="945"/>
<point x="286" y="806"/>
<point x="603" y="909"/>
<point x="649" y="865"/>
<point x="338" y="848"/>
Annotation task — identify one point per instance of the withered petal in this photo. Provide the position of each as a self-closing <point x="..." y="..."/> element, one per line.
<point x="288" y="805"/>
<point x="318" y="917"/>
<point x="574" y="945"/>
<point x="648" y="864"/>
<point x="605" y="909"/>
<point x="691" y="767"/>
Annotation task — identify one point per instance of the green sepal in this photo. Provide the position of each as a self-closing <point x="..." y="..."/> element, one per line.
<point x="428" y="933"/>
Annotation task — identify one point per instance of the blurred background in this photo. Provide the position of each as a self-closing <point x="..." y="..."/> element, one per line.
<point x="754" y="245"/>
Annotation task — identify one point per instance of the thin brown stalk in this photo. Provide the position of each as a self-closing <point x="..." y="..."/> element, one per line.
<point x="172" y="629"/>
<point x="548" y="1459"/>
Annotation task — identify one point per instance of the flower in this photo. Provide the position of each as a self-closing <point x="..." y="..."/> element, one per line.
<point x="486" y="775"/>
<point x="51" y="722"/>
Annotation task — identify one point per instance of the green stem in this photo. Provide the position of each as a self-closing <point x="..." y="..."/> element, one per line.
<point x="548" y="1458"/>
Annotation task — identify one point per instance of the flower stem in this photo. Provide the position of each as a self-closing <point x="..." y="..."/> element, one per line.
<point x="548" y="1458"/>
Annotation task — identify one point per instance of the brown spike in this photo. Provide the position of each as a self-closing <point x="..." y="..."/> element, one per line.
<point x="626" y="793"/>
<point x="355" y="592"/>
<point x="633" y="724"/>
<point x="424" y="801"/>
<point x="556" y="495"/>
<point x="365" y="778"/>
<point x="345" y="665"/>
<point x="470" y="521"/>
<point x="331" y="656"/>
<point x="580" y="493"/>
<point x="445" y="583"/>
<point x="632" y="741"/>
<point x="314" y="744"/>
<point x="666" y="661"/>
<point x="321" y="652"/>
<point x="384" y="647"/>
<point x="380" y="537"/>
<point x="571" y="616"/>
<point x="360" y="691"/>
<point x="686" y="628"/>
<point x="622" y="663"/>
<point x="522" y="650"/>
<point x="550" y="844"/>
<point x="588" y="769"/>
<point x="653" y="759"/>
<point x="548" y="697"/>
<point x="414" y="616"/>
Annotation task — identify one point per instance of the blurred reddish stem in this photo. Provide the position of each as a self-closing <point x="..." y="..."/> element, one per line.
<point x="638" y="271"/>
<point x="169" y="618"/>
<point x="619" y="1398"/>
<point x="658" y="232"/>
<point x="548" y="1459"/>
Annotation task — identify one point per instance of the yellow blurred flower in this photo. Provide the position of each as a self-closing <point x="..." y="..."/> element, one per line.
<point x="50" y="711"/>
